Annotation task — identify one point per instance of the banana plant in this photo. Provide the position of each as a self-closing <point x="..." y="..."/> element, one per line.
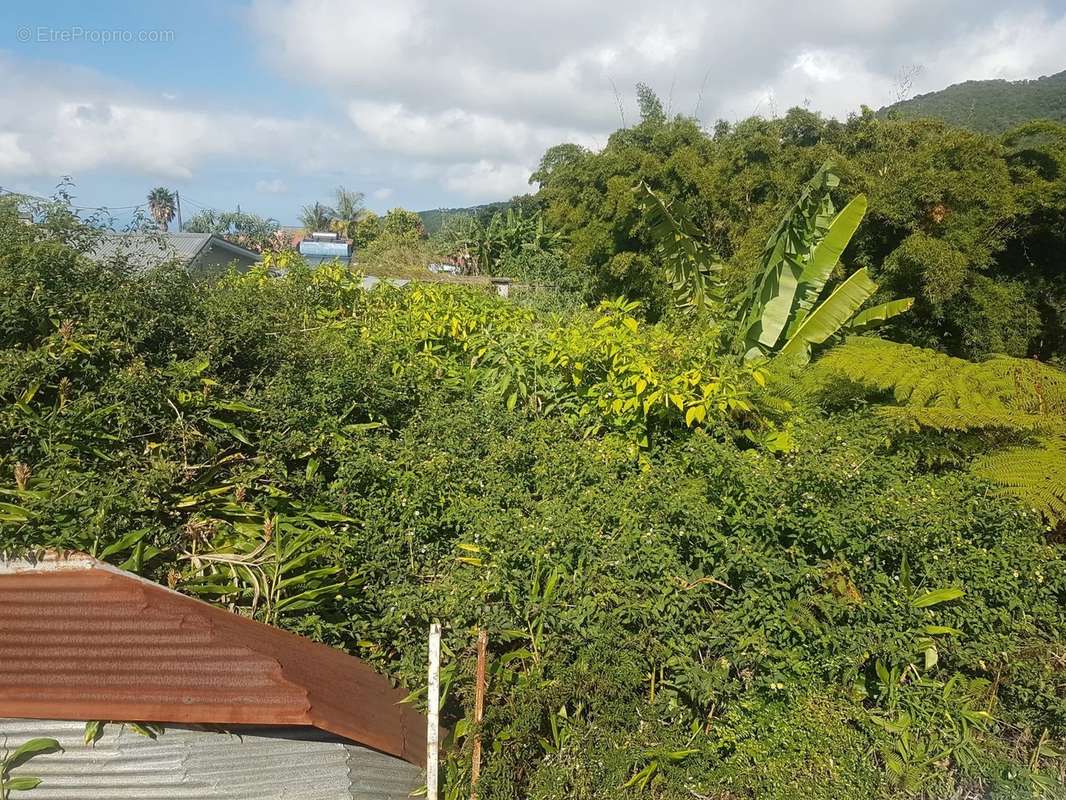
<point x="693" y="268"/>
<point x="16" y="758"/>
<point x="781" y="314"/>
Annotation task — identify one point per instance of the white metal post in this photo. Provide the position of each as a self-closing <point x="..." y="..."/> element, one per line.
<point x="433" y="700"/>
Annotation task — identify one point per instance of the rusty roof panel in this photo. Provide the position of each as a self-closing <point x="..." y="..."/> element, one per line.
<point x="82" y="640"/>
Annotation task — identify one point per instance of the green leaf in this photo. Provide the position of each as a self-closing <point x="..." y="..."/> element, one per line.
<point x="93" y="730"/>
<point x="34" y="747"/>
<point x="692" y="266"/>
<point x="931" y="656"/>
<point x="229" y="428"/>
<point x="21" y="784"/>
<point x="829" y="317"/>
<point x="236" y="405"/>
<point x="151" y="730"/>
<point x="785" y="251"/>
<point x="882" y="673"/>
<point x="127" y="541"/>
<point x="641" y="779"/>
<point x="9" y="512"/>
<point x="874" y="316"/>
<point x="941" y="630"/>
<point x="778" y="306"/>
<point x="329" y="516"/>
<point x="936" y="596"/>
<point x="823" y="260"/>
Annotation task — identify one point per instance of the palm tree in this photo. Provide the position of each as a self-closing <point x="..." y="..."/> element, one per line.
<point x="317" y="217"/>
<point x="162" y="204"/>
<point x="349" y="210"/>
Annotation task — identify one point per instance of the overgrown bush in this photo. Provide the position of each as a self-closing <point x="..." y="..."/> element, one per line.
<point x="689" y="591"/>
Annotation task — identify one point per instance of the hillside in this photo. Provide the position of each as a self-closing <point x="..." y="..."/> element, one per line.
<point x="433" y="219"/>
<point x="989" y="106"/>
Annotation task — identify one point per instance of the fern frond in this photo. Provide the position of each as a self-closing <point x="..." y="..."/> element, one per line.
<point x="939" y="418"/>
<point x="919" y="377"/>
<point x="1034" y="475"/>
<point x="941" y="393"/>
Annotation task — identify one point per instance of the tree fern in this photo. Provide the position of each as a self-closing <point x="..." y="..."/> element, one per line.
<point x="925" y="378"/>
<point x="937" y="392"/>
<point x="1036" y="475"/>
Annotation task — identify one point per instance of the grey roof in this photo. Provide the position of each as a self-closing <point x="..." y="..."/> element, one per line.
<point x="202" y="764"/>
<point x="146" y="250"/>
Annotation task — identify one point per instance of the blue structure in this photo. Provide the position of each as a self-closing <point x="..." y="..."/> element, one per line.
<point x="317" y="251"/>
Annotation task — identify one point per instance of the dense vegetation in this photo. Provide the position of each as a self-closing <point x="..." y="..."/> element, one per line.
<point x="971" y="226"/>
<point x="435" y="219"/>
<point x="702" y="574"/>
<point x="992" y="106"/>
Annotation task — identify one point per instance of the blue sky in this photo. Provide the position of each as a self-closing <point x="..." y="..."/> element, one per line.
<point x="271" y="104"/>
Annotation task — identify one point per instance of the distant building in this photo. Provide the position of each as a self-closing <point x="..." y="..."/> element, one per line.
<point x="320" y="247"/>
<point x="248" y="712"/>
<point x="197" y="252"/>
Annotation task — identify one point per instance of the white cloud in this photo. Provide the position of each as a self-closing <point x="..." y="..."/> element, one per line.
<point x="53" y="126"/>
<point x="454" y="133"/>
<point x="488" y="179"/>
<point x="14" y="160"/>
<point x="819" y="66"/>
<point x="433" y="99"/>
<point x="271" y="186"/>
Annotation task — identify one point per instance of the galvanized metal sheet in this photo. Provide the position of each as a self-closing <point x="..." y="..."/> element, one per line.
<point x="197" y="764"/>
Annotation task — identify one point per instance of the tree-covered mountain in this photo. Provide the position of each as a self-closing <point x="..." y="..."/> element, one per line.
<point x="434" y="218"/>
<point x="989" y="106"/>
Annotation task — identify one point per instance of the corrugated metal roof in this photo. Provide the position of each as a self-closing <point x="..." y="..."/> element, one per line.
<point x="82" y="640"/>
<point x="189" y="764"/>
<point x="147" y="250"/>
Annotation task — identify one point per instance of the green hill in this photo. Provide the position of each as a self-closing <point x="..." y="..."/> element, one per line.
<point x="434" y="218"/>
<point x="989" y="106"/>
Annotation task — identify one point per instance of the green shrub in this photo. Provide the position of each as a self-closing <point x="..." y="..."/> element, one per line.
<point x="675" y="608"/>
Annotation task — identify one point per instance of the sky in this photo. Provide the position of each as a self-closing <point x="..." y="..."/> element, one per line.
<point x="271" y="104"/>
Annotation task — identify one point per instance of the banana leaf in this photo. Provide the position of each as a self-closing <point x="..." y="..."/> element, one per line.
<point x="768" y="301"/>
<point x="872" y="317"/>
<point x="823" y="260"/>
<point x="693" y="268"/>
<point x="830" y="316"/>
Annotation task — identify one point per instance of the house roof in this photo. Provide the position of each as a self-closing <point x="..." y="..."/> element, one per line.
<point x="82" y="640"/>
<point x="198" y="763"/>
<point x="145" y="250"/>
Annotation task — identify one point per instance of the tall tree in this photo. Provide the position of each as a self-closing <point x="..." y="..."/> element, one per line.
<point x="248" y="230"/>
<point x="349" y="210"/>
<point x="162" y="204"/>
<point x="651" y="107"/>
<point x="317" y="217"/>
